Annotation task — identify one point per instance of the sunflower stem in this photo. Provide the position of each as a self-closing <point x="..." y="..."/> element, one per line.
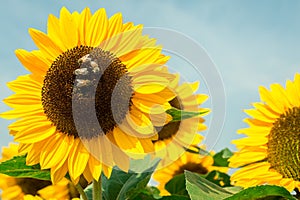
<point x="81" y="192"/>
<point x="97" y="189"/>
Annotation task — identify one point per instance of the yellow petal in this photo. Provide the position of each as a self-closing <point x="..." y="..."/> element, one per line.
<point x="22" y="100"/>
<point x="85" y="17"/>
<point x="251" y="141"/>
<point x="78" y="159"/>
<point x="123" y="140"/>
<point x="266" y="110"/>
<point x="33" y="61"/>
<point x="279" y="93"/>
<point x="68" y="28"/>
<point x="149" y="84"/>
<point x="97" y="28"/>
<point x="115" y="24"/>
<point x="25" y="85"/>
<point x="33" y="156"/>
<point x="35" y="133"/>
<point x="55" y="150"/>
<point x="259" y="115"/>
<point x="26" y="122"/>
<point x="58" y="172"/>
<point x="292" y="93"/>
<point x="45" y="44"/>
<point x="95" y="167"/>
<point x="266" y="96"/>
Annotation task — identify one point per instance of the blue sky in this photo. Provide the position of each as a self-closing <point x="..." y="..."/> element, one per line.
<point x="252" y="43"/>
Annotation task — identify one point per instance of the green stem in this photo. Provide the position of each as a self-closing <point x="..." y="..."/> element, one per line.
<point x="97" y="189"/>
<point x="81" y="192"/>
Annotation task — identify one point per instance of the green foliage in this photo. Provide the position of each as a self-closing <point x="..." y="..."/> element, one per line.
<point x="89" y="191"/>
<point x="179" y="115"/>
<point x="176" y="186"/>
<point x="218" y="178"/>
<point x="148" y="193"/>
<point x="262" y="192"/>
<point x="221" y="158"/>
<point x="122" y="185"/>
<point x="201" y="189"/>
<point x="16" y="167"/>
<point x="175" y="197"/>
<point x="134" y="186"/>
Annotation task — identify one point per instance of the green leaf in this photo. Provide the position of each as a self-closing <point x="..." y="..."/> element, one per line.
<point x="262" y="192"/>
<point x="179" y="115"/>
<point x="201" y="189"/>
<point x="221" y="158"/>
<point x="134" y="188"/>
<point x="177" y="185"/>
<point x="175" y="197"/>
<point x="16" y="167"/>
<point x="148" y="193"/>
<point x="89" y="191"/>
<point x="219" y="178"/>
<point x="122" y="185"/>
<point x="233" y="189"/>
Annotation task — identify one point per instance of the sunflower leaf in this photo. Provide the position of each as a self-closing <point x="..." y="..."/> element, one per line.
<point x="16" y="167"/>
<point x="262" y="192"/>
<point x="179" y="115"/>
<point x="89" y="191"/>
<point x="221" y="158"/>
<point x="201" y="189"/>
<point x="176" y="186"/>
<point x="175" y="197"/>
<point x="148" y="193"/>
<point x="123" y="185"/>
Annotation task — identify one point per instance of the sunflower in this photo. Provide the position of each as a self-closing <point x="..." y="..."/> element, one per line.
<point x="30" y="197"/>
<point x="270" y="153"/>
<point x="87" y="104"/>
<point x="188" y="161"/>
<point x="175" y="136"/>
<point x="18" y="188"/>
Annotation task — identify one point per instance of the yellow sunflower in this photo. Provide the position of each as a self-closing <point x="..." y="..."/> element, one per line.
<point x="270" y="153"/>
<point x="175" y="137"/>
<point x="18" y="188"/>
<point x="188" y="161"/>
<point x="31" y="197"/>
<point x="93" y="85"/>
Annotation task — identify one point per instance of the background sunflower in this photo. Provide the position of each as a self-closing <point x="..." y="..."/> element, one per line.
<point x="269" y="154"/>
<point x="22" y="188"/>
<point x="175" y="137"/>
<point x="188" y="161"/>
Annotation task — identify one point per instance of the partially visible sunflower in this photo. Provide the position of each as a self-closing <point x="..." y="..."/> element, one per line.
<point x="176" y="136"/>
<point x="86" y="105"/>
<point x="188" y="161"/>
<point x="270" y="152"/>
<point x="31" y="197"/>
<point x="18" y="188"/>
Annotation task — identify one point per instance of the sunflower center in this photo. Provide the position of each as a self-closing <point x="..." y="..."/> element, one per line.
<point x="31" y="186"/>
<point x="87" y="92"/>
<point x="193" y="167"/>
<point x="284" y="143"/>
<point x="170" y="129"/>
